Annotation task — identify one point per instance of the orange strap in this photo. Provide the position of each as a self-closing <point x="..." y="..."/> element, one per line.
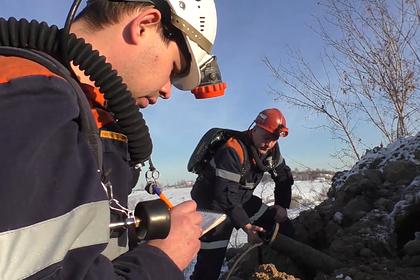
<point x="96" y="97"/>
<point x="101" y="117"/>
<point x="12" y="67"/>
<point x="236" y="146"/>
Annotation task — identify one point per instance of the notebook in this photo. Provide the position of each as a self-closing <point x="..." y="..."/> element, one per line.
<point x="211" y="219"/>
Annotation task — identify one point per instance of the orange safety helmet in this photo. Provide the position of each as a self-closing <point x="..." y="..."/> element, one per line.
<point x="273" y="121"/>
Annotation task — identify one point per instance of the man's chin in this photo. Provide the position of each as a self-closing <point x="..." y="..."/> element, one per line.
<point x="142" y="102"/>
<point x="262" y="151"/>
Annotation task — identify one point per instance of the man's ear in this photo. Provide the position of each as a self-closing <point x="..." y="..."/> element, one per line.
<point x="147" y="20"/>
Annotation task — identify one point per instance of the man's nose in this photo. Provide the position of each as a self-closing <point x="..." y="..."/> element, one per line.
<point x="165" y="91"/>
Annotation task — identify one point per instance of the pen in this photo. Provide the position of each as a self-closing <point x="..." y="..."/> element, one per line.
<point x="163" y="197"/>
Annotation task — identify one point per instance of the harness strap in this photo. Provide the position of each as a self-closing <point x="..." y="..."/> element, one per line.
<point x="17" y="67"/>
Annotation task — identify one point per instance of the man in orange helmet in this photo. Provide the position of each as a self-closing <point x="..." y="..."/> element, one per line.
<point x="226" y="184"/>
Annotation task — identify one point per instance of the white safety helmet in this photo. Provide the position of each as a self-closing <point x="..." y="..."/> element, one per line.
<point x="197" y="21"/>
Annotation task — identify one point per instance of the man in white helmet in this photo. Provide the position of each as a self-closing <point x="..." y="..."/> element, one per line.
<point x="54" y="176"/>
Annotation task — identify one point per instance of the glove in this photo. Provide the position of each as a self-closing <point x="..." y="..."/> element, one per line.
<point x="284" y="176"/>
<point x="289" y="175"/>
<point x="280" y="214"/>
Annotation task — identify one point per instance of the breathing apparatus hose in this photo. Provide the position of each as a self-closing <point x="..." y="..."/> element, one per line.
<point x="259" y="163"/>
<point x="268" y="239"/>
<point x="70" y="49"/>
<point x="241" y="256"/>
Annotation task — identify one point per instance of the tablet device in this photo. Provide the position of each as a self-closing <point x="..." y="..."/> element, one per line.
<point x="211" y="219"/>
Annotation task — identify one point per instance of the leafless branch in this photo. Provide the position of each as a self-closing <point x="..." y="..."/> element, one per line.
<point x="369" y="75"/>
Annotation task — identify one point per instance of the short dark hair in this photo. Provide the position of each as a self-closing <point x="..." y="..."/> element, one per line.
<point x="100" y="13"/>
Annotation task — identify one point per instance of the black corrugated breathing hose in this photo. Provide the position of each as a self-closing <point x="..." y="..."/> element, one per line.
<point x="49" y="39"/>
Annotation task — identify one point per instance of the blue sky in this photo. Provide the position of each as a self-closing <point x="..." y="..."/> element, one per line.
<point x="247" y="32"/>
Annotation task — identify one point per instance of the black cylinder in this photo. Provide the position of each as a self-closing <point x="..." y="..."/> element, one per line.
<point x="155" y="219"/>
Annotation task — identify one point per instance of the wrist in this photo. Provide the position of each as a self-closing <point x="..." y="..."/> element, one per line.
<point x="247" y="227"/>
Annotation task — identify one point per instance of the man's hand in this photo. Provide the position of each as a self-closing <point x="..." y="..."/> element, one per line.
<point x="182" y="243"/>
<point x="252" y="232"/>
<point x="281" y="213"/>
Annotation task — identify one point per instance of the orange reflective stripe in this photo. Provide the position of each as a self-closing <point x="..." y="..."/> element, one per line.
<point x="236" y="146"/>
<point x="12" y="67"/>
<point x="113" y="135"/>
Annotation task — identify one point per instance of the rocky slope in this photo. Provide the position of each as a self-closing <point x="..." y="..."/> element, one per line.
<point x="370" y="223"/>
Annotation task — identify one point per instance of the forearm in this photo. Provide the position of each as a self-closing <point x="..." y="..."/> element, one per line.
<point x="228" y="198"/>
<point x="239" y="217"/>
<point x="283" y="197"/>
<point x="283" y="180"/>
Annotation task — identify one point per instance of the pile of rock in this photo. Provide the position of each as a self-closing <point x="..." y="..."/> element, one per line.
<point x="370" y="222"/>
<point x="270" y="272"/>
<point x="412" y="252"/>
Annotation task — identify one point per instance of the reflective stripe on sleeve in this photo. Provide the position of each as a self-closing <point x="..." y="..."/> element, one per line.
<point x="225" y="174"/>
<point x="27" y="250"/>
<point x="214" y="244"/>
<point x="228" y="175"/>
<point x="259" y="213"/>
<point x="249" y="186"/>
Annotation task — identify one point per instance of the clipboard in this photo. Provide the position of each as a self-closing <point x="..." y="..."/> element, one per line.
<point x="211" y="219"/>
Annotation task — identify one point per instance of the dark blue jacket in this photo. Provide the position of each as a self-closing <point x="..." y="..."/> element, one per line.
<point x="54" y="213"/>
<point x="230" y="178"/>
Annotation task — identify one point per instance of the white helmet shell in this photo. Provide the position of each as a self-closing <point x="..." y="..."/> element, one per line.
<point x="197" y="19"/>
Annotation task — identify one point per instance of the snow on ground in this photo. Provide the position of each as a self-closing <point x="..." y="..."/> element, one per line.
<point x="306" y="194"/>
<point x="175" y="195"/>
<point x="404" y="148"/>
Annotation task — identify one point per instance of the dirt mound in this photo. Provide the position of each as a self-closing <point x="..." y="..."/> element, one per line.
<point x="269" y="271"/>
<point x="370" y="222"/>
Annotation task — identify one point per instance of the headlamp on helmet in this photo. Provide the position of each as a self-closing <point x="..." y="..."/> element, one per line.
<point x="273" y="121"/>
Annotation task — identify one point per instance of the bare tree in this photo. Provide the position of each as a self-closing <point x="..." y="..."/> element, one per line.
<point x="370" y="71"/>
